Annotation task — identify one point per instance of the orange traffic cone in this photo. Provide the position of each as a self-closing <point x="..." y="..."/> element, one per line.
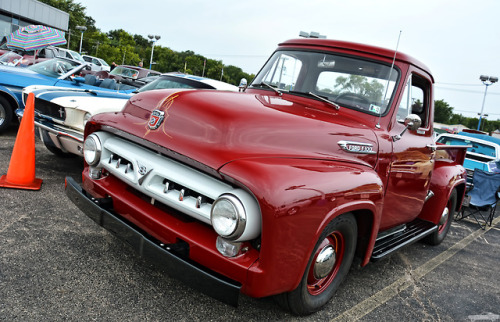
<point x="21" y="173"/>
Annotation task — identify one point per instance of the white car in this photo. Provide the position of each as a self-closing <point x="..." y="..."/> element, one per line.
<point x="71" y="54"/>
<point x="97" y="64"/>
<point x="61" y="113"/>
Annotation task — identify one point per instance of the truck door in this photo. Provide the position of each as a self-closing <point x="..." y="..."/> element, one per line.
<point x="412" y="159"/>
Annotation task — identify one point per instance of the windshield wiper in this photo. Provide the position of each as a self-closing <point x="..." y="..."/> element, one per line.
<point x="269" y="86"/>
<point x="337" y="106"/>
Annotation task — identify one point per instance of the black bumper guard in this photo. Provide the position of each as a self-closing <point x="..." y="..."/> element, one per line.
<point x="195" y="276"/>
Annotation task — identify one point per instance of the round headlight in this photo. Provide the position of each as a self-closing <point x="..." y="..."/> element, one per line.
<point x="92" y="150"/>
<point x="228" y="217"/>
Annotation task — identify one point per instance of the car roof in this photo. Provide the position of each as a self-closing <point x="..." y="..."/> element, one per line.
<point x="352" y="46"/>
<point x="211" y="82"/>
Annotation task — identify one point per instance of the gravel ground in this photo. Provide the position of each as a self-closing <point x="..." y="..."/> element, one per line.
<point x="56" y="264"/>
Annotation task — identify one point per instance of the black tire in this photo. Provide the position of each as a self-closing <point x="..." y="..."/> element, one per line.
<point x="314" y="292"/>
<point x="52" y="148"/>
<point x="5" y="114"/>
<point x="439" y="235"/>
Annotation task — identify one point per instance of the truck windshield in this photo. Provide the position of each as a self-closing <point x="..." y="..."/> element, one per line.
<point x="348" y="81"/>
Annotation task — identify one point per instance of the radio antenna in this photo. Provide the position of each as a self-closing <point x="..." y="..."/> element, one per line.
<point x="389" y="78"/>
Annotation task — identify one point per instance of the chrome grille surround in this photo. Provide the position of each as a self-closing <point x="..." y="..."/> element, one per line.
<point x="170" y="182"/>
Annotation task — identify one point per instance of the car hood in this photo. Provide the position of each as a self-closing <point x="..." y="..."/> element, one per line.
<point x="215" y="128"/>
<point x="9" y="73"/>
<point x="91" y="101"/>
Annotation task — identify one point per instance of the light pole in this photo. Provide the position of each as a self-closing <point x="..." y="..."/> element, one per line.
<point x="82" y="29"/>
<point x="484" y="116"/>
<point x="487" y="81"/>
<point x="154" y="39"/>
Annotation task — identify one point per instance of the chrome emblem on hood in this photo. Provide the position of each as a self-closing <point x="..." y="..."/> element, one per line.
<point x="155" y="119"/>
<point x="357" y="147"/>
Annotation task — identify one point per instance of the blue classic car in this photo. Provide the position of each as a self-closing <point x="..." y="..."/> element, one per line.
<point x="55" y="72"/>
<point x="483" y="151"/>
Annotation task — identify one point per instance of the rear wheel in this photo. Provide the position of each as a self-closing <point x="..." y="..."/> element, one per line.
<point x="326" y="269"/>
<point x="5" y="114"/>
<point x="449" y="211"/>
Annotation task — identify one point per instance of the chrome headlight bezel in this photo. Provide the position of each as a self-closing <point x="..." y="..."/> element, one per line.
<point x="92" y="149"/>
<point x="228" y="217"/>
<point x="86" y="118"/>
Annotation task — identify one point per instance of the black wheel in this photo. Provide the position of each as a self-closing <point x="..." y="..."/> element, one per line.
<point x="5" y="114"/>
<point x="326" y="269"/>
<point x="438" y="236"/>
<point x="52" y="148"/>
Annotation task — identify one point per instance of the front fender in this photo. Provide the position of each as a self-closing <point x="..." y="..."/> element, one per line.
<point x="298" y="198"/>
<point x="12" y="96"/>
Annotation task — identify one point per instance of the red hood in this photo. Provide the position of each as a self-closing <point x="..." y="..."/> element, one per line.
<point x="214" y="127"/>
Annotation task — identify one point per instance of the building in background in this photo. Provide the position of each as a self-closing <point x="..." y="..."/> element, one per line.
<point x="20" y="13"/>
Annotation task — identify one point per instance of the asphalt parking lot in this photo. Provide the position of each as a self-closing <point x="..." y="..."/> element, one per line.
<point x="57" y="264"/>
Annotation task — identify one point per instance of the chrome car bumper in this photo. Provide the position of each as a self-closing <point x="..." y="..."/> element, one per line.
<point x="63" y="138"/>
<point x="176" y="265"/>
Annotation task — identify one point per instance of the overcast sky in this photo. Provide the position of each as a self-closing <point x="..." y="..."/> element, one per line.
<point x="459" y="40"/>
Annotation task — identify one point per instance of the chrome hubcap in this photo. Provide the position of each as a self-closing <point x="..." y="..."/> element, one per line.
<point x="325" y="261"/>
<point x="444" y="216"/>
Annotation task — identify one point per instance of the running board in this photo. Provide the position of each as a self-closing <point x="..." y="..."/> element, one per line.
<point x="413" y="232"/>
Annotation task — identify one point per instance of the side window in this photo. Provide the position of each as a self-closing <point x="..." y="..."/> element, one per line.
<point x="415" y="100"/>
<point x="49" y="53"/>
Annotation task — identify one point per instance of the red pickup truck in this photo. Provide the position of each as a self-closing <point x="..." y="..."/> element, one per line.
<point x="328" y="154"/>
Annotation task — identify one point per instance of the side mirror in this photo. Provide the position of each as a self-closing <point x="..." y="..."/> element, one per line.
<point x="412" y="123"/>
<point x="243" y="84"/>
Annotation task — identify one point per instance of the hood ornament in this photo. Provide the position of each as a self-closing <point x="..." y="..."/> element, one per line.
<point x="155" y="119"/>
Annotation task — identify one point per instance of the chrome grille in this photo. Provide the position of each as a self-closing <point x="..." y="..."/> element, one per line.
<point x="50" y="109"/>
<point x="164" y="180"/>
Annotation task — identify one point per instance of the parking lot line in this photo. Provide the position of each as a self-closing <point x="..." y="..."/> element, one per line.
<point x="365" y="307"/>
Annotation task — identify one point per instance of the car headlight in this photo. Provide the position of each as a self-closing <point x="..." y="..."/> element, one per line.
<point x="92" y="149"/>
<point x="86" y="118"/>
<point x="228" y="217"/>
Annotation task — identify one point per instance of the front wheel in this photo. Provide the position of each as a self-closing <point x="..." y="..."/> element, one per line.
<point x="449" y="211"/>
<point x="327" y="267"/>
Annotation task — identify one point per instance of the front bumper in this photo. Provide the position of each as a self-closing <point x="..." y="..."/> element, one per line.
<point x="65" y="139"/>
<point x="200" y="278"/>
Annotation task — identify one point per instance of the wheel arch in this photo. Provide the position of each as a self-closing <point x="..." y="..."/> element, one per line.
<point x="298" y="198"/>
<point x="9" y="97"/>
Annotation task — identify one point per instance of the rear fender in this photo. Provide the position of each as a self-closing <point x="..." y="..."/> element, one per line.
<point x="448" y="174"/>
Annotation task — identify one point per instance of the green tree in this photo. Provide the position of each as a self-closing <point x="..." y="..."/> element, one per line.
<point x="442" y="112"/>
<point x="77" y="17"/>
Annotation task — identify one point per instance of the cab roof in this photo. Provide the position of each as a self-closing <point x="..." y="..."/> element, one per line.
<point x="357" y="47"/>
